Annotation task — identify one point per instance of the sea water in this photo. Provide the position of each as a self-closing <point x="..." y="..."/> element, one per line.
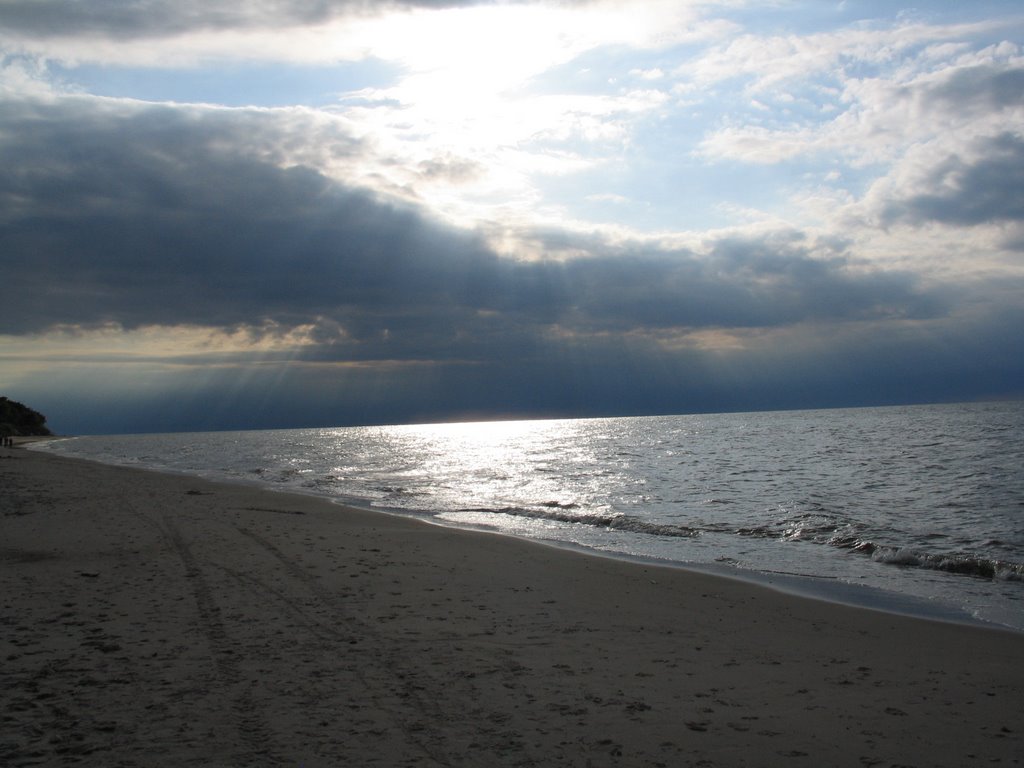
<point x="918" y="509"/>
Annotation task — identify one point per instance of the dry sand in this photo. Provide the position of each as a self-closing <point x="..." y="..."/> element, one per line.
<point x="157" y="620"/>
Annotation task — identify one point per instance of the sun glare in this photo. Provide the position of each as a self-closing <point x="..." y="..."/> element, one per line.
<point x="473" y="133"/>
<point x="477" y="433"/>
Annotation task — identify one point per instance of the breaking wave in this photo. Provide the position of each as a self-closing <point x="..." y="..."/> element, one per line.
<point x="564" y="513"/>
<point x="959" y="563"/>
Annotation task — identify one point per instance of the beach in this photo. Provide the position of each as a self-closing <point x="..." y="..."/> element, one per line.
<point x="157" y="619"/>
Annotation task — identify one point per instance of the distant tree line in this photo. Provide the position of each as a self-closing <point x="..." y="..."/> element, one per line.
<point x="19" y="419"/>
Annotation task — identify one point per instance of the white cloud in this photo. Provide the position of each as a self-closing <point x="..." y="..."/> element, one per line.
<point x="648" y="74"/>
<point x="425" y="35"/>
<point x="766" y="62"/>
<point x="918" y="99"/>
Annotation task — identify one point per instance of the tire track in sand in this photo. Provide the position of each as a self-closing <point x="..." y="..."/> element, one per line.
<point x="251" y="724"/>
<point x="389" y="660"/>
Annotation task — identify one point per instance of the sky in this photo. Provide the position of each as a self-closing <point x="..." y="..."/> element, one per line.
<point x="283" y="213"/>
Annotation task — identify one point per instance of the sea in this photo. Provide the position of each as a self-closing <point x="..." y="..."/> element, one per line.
<point x="917" y="510"/>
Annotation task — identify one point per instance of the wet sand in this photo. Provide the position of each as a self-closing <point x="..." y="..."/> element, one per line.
<point x="158" y="620"/>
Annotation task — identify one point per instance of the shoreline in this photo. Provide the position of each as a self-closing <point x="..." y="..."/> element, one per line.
<point x="804" y="585"/>
<point x="831" y="590"/>
<point x="219" y="624"/>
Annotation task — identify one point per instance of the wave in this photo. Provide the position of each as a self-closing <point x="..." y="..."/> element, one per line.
<point x="958" y="563"/>
<point x="564" y="513"/>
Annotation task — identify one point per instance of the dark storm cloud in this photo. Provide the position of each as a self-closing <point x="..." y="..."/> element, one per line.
<point x="135" y="216"/>
<point x="986" y="187"/>
<point x="740" y="282"/>
<point x="127" y="19"/>
<point x="877" y="365"/>
<point x="146" y="217"/>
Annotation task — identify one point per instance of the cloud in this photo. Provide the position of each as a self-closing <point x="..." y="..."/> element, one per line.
<point x="769" y="281"/>
<point x="879" y="102"/>
<point x="937" y="125"/>
<point x="419" y="248"/>
<point x="154" y="215"/>
<point x="768" y="61"/>
<point x="418" y="34"/>
<point x="194" y="33"/>
<point x="963" y="166"/>
<point x="122" y="19"/>
<point x="982" y="87"/>
<point x="765" y="62"/>
<point x="797" y="367"/>
<point x="985" y="185"/>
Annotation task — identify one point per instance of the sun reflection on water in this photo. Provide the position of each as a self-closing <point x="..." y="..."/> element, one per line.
<point x="517" y="470"/>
